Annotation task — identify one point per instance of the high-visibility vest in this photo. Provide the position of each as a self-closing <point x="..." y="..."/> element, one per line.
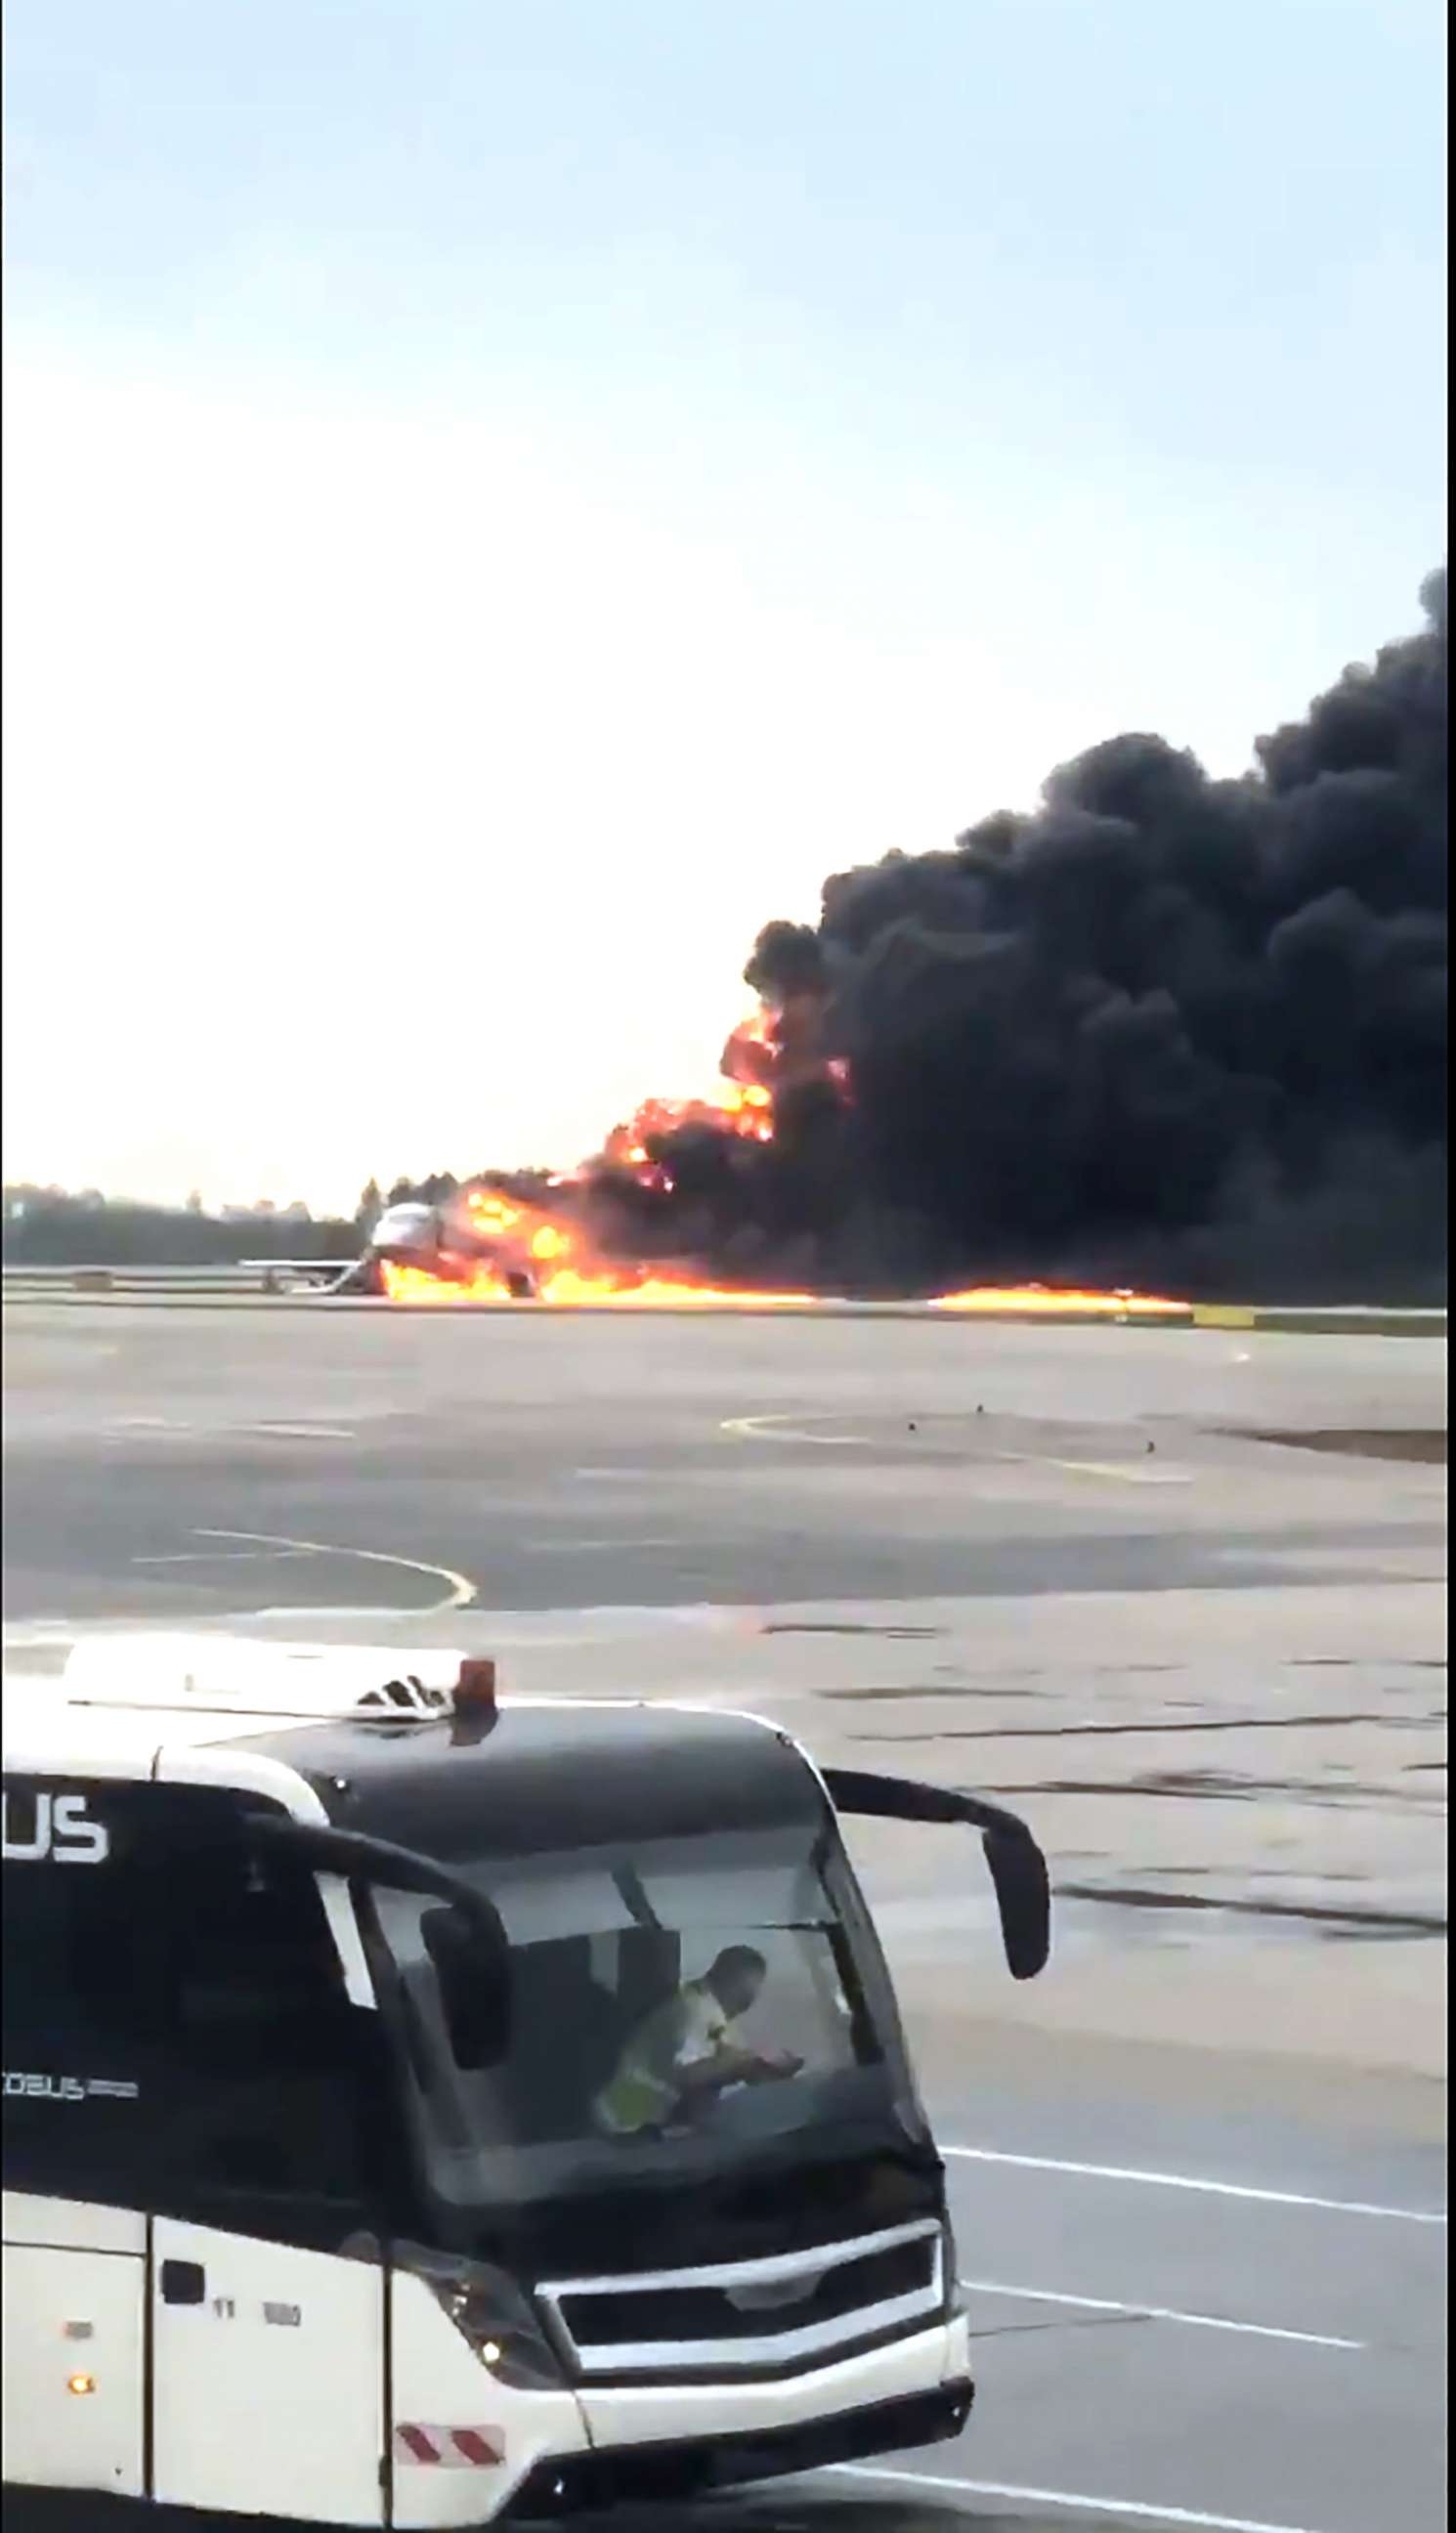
<point x="646" y="2083"/>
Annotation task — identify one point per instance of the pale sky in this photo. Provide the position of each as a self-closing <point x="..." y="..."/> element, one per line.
<point x="501" y="500"/>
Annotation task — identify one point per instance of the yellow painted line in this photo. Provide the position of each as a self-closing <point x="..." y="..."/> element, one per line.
<point x="1223" y="1314"/>
<point x="778" y="1429"/>
<point x="460" y="1593"/>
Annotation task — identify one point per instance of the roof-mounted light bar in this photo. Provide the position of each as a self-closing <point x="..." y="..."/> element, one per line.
<point x="241" y="1676"/>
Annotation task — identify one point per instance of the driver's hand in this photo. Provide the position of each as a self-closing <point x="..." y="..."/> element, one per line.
<point x="771" y="2063"/>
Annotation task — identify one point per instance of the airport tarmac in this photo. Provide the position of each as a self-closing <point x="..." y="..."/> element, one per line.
<point x="1176" y="1595"/>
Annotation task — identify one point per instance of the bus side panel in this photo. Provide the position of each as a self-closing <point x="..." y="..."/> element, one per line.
<point x="73" y="2367"/>
<point x="269" y="2376"/>
<point x="74" y="2225"/>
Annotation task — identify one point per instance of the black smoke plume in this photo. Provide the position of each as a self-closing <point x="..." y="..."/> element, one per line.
<point x="1163" y="1030"/>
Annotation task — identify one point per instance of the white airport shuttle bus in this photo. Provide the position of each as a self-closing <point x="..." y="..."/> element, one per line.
<point x="424" y="2112"/>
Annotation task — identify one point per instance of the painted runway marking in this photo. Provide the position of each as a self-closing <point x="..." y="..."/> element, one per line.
<point x="296" y="1433"/>
<point x="1191" y="2181"/>
<point x="1158" y="2313"/>
<point x="1071" y="2499"/>
<point x="367" y="1612"/>
<point x="267" y="1428"/>
<point x="460" y="1594"/>
<point x="225" y="1557"/>
<point x="778" y="1429"/>
<point x="568" y="1547"/>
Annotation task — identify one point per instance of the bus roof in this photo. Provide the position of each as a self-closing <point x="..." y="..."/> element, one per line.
<point x="316" y="1724"/>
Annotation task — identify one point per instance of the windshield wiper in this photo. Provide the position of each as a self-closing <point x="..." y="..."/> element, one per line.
<point x="629" y="1881"/>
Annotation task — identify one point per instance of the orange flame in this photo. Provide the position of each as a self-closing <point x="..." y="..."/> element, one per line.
<point x="508" y="1245"/>
<point x="1038" y="1300"/>
<point x="569" y="1288"/>
<point x="503" y="1237"/>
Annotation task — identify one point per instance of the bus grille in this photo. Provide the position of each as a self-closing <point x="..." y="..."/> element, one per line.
<point x="751" y="2316"/>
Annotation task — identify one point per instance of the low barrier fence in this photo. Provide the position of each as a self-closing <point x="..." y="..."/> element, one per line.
<point x="247" y="1275"/>
<point x="305" y="1279"/>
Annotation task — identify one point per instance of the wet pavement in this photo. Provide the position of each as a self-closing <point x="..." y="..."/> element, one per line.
<point x="1196" y="2169"/>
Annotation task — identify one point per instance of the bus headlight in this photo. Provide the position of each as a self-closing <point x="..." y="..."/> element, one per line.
<point x="493" y="2314"/>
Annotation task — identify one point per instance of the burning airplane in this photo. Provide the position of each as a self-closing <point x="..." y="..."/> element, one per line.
<point x="456" y="1247"/>
<point x="1162" y="1030"/>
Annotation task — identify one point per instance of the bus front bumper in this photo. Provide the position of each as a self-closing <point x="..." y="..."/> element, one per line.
<point x="677" y="2441"/>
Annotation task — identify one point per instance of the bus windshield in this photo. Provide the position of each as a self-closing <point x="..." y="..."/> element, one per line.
<point x="680" y="2002"/>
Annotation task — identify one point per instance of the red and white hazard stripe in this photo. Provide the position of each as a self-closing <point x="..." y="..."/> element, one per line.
<point x="456" y="2448"/>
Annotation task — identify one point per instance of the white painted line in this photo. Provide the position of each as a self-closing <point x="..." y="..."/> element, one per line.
<point x="1190" y="2181"/>
<point x="297" y="1432"/>
<point x="162" y="1428"/>
<point x="225" y="1557"/>
<point x="1158" y="2313"/>
<point x="778" y="1429"/>
<point x="369" y="1611"/>
<point x="568" y="1547"/>
<point x="461" y="1590"/>
<point x="1071" y="2499"/>
<point x="1123" y="1471"/>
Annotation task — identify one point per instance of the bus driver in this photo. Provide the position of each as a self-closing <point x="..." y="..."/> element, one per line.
<point x="685" y="2052"/>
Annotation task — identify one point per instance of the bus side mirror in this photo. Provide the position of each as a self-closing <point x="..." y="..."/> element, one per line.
<point x="472" y="1971"/>
<point x="1017" y="1865"/>
<point x="1019" y="1874"/>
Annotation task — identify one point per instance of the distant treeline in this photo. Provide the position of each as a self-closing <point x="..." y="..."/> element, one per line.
<point x="49" y="1227"/>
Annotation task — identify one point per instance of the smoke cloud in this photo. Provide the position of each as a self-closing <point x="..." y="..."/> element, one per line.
<point x="1164" y="1029"/>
